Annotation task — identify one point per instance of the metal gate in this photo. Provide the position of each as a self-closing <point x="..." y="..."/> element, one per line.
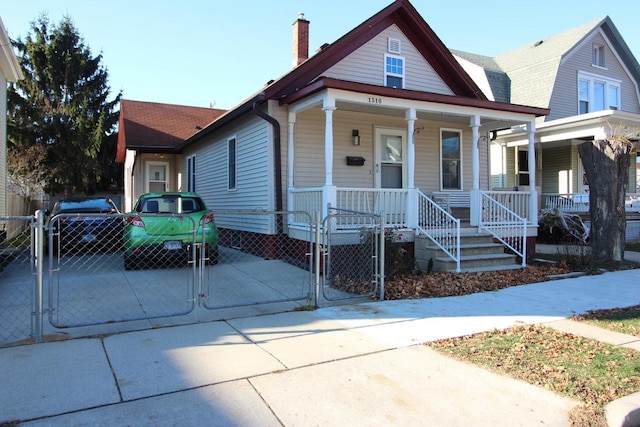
<point x="98" y="276"/>
<point x="354" y="250"/>
<point x="17" y="278"/>
<point x="75" y="271"/>
<point x="261" y="262"/>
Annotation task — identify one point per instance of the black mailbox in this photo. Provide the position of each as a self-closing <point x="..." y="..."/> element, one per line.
<point x="355" y="161"/>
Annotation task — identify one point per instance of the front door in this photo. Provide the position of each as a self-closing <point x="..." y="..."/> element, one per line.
<point x="390" y="167"/>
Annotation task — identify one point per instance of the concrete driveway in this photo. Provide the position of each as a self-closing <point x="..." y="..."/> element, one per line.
<point x="93" y="293"/>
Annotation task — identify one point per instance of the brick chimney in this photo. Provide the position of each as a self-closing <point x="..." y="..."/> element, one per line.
<point x="300" y="40"/>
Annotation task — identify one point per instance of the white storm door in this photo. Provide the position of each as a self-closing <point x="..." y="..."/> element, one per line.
<point x="157" y="177"/>
<point x="391" y="158"/>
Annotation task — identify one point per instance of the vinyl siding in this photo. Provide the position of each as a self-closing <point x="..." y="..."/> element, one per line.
<point x="309" y="150"/>
<point x="3" y="145"/>
<point x="564" y="101"/>
<point x="557" y="164"/>
<point x="254" y="182"/>
<point x="366" y="65"/>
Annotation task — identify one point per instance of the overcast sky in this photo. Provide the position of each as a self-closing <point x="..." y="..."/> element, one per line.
<point x="215" y="52"/>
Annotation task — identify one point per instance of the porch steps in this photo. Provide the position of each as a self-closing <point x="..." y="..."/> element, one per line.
<point x="478" y="252"/>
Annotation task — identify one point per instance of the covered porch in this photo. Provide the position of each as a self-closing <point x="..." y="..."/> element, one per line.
<point x="422" y="201"/>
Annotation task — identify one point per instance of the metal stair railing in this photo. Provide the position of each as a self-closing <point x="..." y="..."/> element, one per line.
<point x="505" y="225"/>
<point x="442" y="228"/>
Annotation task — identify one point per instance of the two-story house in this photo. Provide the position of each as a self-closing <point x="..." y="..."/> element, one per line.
<point x="590" y="81"/>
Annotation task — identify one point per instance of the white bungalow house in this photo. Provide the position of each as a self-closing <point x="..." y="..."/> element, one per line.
<point x="9" y="72"/>
<point x="382" y="120"/>
<point x="590" y="81"/>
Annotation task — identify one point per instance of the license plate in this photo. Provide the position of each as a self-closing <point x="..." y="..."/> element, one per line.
<point x="172" y="246"/>
<point x="89" y="238"/>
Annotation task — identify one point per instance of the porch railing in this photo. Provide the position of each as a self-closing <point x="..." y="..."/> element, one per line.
<point x="579" y="202"/>
<point x="516" y="201"/>
<point x="393" y="202"/>
<point x="304" y="200"/>
<point x="504" y="224"/>
<point x="390" y="200"/>
<point x="439" y="226"/>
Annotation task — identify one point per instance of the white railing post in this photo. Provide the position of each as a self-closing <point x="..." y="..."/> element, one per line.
<point x="329" y="198"/>
<point x="411" y="218"/>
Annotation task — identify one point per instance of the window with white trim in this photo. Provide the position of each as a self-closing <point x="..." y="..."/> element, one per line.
<point x="451" y="159"/>
<point x="394" y="71"/>
<point x="597" y="93"/>
<point x="232" y="158"/>
<point x="191" y="173"/>
<point x="598" y="55"/>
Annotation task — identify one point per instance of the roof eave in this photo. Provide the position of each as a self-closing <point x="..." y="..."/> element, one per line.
<point x="12" y="72"/>
<point x="330" y="83"/>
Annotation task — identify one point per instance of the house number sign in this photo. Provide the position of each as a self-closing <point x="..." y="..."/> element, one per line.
<point x="374" y="100"/>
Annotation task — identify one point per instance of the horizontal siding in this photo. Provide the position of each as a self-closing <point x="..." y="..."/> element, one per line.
<point x="557" y="164"/>
<point x="309" y="150"/>
<point x="366" y="65"/>
<point x="3" y="146"/>
<point x="254" y="177"/>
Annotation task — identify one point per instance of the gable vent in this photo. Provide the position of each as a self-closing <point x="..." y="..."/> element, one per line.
<point x="394" y="45"/>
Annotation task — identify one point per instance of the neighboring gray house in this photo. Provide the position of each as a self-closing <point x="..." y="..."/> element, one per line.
<point x="589" y="80"/>
<point x="9" y="72"/>
<point x="383" y="119"/>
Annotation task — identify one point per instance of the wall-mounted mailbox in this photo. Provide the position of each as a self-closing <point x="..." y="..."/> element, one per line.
<point x="355" y="161"/>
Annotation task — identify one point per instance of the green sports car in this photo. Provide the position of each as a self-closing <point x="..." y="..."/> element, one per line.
<point x="165" y="227"/>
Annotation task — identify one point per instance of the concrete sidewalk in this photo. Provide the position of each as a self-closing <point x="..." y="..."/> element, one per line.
<point x="353" y="364"/>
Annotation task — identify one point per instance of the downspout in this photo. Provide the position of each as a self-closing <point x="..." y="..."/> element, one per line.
<point x="277" y="155"/>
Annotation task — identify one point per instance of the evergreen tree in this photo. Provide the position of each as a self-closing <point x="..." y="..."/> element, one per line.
<point x="63" y="105"/>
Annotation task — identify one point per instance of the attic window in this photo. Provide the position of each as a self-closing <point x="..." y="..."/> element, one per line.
<point x="394" y="71"/>
<point x="394" y="45"/>
<point x="598" y="55"/>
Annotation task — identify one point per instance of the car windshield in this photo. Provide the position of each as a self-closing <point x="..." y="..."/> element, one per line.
<point x="170" y="204"/>
<point x="85" y="206"/>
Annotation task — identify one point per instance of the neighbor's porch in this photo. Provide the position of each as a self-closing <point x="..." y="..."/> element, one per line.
<point x="579" y="202"/>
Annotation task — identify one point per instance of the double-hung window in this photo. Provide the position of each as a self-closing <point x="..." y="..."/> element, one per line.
<point x="232" y="158"/>
<point x="597" y="93"/>
<point x="394" y="71"/>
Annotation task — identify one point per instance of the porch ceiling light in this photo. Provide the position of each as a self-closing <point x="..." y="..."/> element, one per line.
<point x="355" y="133"/>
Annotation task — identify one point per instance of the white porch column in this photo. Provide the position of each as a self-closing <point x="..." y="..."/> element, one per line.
<point x="330" y="194"/>
<point x="290" y="157"/>
<point x="411" y="219"/>
<point x="328" y="144"/>
<point x="533" y="197"/>
<point x="475" y="211"/>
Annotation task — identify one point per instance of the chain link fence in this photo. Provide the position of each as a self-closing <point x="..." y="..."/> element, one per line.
<point x="79" y="270"/>
<point x="17" y="278"/>
<point x="354" y="246"/>
<point x="101" y="272"/>
<point x="259" y="262"/>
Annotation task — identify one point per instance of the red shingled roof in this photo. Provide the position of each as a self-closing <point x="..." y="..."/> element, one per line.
<point x="154" y="127"/>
